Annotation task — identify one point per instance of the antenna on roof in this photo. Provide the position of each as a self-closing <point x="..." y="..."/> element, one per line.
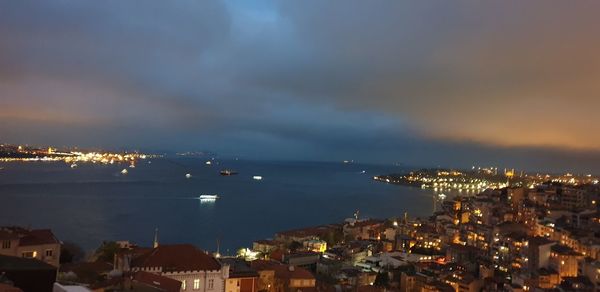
<point x="155" y="238"/>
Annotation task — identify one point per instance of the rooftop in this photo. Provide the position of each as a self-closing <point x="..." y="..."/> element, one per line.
<point x="178" y="257"/>
<point x="38" y="237"/>
<point x="157" y="281"/>
<point x="239" y="268"/>
<point x="28" y="237"/>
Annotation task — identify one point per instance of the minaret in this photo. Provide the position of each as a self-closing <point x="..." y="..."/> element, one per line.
<point x="218" y="253"/>
<point x="155" y="238"/>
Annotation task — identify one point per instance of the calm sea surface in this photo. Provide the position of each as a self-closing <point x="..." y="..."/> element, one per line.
<point x="92" y="203"/>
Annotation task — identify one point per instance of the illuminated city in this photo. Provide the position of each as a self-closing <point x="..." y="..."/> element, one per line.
<point x="10" y="153"/>
<point x="299" y="146"/>
<point x="481" y="179"/>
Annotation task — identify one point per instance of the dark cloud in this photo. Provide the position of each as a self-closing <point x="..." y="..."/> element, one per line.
<point x="422" y="82"/>
<point x="460" y="69"/>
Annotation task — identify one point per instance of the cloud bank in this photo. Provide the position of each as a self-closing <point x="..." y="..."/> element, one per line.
<point x="419" y="82"/>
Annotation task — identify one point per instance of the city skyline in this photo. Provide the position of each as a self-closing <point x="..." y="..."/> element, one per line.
<point x="450" y="84"/>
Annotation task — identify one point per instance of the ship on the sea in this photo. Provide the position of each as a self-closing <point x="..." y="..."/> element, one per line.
<point x="228" y="172"/>
<point x="208" y="199"/>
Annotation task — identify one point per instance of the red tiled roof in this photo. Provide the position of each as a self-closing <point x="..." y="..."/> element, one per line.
<point x="261" y="265"/>
<point x="163" y="283"/>
<point x="28" y="237"/>
<point x="37" y="237"/>
<point x="289" y="272"/>
<point x="277" y="255"/>
<point x="5" y="235"/>
<point x="179" y="257"/>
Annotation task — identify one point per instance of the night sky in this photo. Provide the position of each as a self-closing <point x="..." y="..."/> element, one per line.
<point x="450" y="83"/>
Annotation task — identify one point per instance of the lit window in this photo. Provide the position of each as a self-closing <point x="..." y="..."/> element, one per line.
<point x="196" y="284"/>
<point x="183" y="285"/>
<point x="29" y="254"/>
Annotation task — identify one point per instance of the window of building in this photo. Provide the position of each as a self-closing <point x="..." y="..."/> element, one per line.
<point x="29" y="254"/>
<point x="49" y="253"/>
<point x="5" y="244"/>
<point x="183" y="285"/>
<point x="211" y="283"/>
<point x="196" y="284"/>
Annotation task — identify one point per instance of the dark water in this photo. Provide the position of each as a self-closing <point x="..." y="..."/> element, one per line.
<point x="92" y="203"/>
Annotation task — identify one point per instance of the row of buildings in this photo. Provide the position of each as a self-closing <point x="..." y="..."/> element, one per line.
<point x="545" y="238"/>
<point x="540" y="238"/>
<point x="30" y="262"/>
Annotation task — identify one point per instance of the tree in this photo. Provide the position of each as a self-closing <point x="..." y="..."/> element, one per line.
<point x="294" y="246"/>
<point x="106" y="252"/>
<point x="70" y="252"/>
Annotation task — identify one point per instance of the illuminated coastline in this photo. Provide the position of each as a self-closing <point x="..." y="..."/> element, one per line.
<point x="10" y="153"/>
<point x="480" y="179"/>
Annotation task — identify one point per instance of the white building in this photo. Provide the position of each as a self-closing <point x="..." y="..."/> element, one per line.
<point x="194" y="268"/>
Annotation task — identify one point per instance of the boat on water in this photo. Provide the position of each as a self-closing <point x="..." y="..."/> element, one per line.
<point x="208" y="197"/>
<point x="257" y="177"/>
<point x="74" y="165"/>
<point x="228" y="172"/>
<point x="208" y="162"/>
<point x="187" y="175"/>
<point x="124" y="171"/>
